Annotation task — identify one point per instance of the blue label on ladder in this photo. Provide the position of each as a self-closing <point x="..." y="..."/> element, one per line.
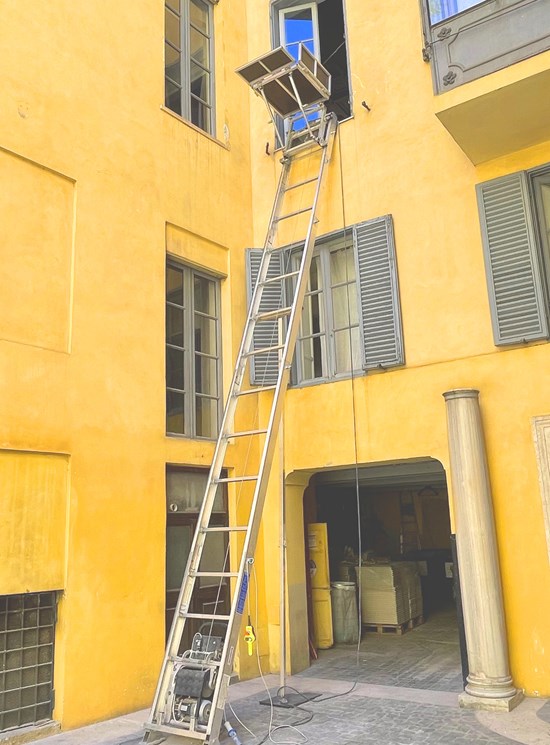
<point x="242" y="593"/>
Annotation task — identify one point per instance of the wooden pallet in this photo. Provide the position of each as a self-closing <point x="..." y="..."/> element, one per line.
<point x="390" y="628"/>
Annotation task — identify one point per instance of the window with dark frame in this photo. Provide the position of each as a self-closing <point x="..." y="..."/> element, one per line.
<point x="27" y="635"/>
<point x="192" y="352"/>
<point x="188" y="63"/>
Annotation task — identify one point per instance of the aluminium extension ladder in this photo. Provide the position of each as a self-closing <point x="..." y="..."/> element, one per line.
<point x="189" y="703"/>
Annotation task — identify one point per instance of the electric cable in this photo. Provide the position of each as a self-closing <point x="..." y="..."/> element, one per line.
<point x="272" y="729"/>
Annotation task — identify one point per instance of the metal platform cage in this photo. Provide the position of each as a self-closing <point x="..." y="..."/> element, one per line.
<point x="288" y="86"/>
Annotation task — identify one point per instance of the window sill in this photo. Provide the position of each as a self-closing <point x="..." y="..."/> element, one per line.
<point x="194" y="127"/>
<point x="322" y="381"/>
<point x="192" y="438"/>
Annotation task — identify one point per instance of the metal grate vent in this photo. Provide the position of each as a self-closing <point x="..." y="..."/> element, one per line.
<point x="27" y="630"/>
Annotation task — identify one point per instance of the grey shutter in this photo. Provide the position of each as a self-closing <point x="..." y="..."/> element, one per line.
<point x="511" y="260"/>
<point x="378" y="288"/>
<point x="264" y="367"/>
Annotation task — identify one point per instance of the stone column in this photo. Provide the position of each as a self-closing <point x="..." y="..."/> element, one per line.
<point x="490" y="685"/>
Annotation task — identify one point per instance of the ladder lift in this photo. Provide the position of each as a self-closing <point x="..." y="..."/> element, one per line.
<point x="188" y="707"/>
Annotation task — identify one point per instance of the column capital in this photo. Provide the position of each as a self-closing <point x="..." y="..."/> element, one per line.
<point x="461" y="393"/>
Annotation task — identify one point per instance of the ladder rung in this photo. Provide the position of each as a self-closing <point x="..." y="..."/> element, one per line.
<point x="215" y="574"/>
<point x="234" y="479"/>
<point x="257" y="389"/>
<point x="264" y="350"/>
<point x="302" y="183"/>
<point x="205" y="616"/>
<point x="245" y="433"/>
<point x="280" y="278"/>
<point x="226" y="529"/>
<point x="273" y="315"/>
<point x="293" y="214"/>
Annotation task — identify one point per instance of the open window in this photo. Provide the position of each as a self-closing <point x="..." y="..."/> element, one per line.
<point x="320" y="26"/>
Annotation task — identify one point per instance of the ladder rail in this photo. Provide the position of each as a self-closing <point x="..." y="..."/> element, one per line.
<point x="222" y="443"/>
<point x="286" y="352"/>
<point x="270" y="441"/>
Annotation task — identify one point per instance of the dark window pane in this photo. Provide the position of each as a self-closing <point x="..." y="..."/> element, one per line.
<point x="28" y="676"/>
<point x="206" y="375"/>
<point x="15" y="620"/>
<point x="175" y="419"/>
<point x="45" y="674"/>
<point x="174" y="368"/>
<point x="172" y="97"/>
<point x="30" y="618"/>
<point x="14" y="660"/>
<point x="174" y="326"/>
<point x="46" y="616"/>
<point x="206" y="412"/>
<point x="200" y="82"/>
<point x="200" y="114"/>
<point x="174" y="285"/>
<point x="205" y="335"/>
<point x="30" y="637"/>
<point x="14" y="640"/>
<point x="199" y="49"/>
<point x="172" y="63"/>
<point x="172" y="28"/>
<point x="174" y="4"/>
<point x="199" y="15"/>
<point x="204" y="295"/>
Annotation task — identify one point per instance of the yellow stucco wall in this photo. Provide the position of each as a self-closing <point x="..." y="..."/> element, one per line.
<point x="103" y="182"/>
<point x="98" y="183"/>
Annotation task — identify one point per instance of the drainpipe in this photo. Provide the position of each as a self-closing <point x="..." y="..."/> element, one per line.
<point x="489" y="685"/>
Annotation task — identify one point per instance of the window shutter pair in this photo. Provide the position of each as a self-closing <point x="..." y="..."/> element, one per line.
<point x="512" y="261"/>
<point x="378" y="290"/>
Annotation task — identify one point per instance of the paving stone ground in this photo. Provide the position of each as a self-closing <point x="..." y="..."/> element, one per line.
<point x="405" y="693"/>
<point x="427" y="657"/>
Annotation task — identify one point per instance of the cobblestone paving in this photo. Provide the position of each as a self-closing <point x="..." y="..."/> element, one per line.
<point x="544" y="712"/>
<point x="357" y="720"/>
<point x="427" y="657"/>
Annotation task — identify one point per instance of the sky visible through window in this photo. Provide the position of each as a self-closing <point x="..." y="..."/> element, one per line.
<point x="298" y="28"/>
<point x="442" y="9"/>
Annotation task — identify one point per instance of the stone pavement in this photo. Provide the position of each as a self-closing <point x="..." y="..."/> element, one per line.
<point x="369" y="715"/>
<point x="404" y="692"/>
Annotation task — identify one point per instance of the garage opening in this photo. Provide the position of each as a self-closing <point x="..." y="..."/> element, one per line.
<point x="397" y="564"/>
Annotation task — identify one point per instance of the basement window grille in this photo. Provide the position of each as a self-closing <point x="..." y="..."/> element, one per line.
<point x="27" y="631"/>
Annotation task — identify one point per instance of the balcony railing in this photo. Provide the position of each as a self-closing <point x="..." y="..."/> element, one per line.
<point x="481" y="39"/>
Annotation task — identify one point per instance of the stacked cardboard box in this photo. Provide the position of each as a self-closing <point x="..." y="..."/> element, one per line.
<point x="390" y="593"/>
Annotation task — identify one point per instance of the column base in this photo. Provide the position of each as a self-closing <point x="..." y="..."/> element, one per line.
<point x="467" y="701"/>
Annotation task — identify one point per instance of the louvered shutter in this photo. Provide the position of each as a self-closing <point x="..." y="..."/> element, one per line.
<point x="378" y="288"/>
<point x="511" y="260"/>
<point x="264" y="367"/>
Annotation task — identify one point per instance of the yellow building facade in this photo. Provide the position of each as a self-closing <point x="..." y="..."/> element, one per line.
<point x="126" y="209"/>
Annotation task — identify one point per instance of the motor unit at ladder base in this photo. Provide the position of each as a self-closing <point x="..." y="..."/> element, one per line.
<point x="273" y="74"/>
<point x="192" y="684"/>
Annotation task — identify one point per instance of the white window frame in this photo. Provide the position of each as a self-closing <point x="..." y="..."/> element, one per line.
<point x="315" y="20"/>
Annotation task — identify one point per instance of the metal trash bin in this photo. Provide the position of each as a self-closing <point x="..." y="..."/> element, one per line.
<point x="345" y="619"/>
